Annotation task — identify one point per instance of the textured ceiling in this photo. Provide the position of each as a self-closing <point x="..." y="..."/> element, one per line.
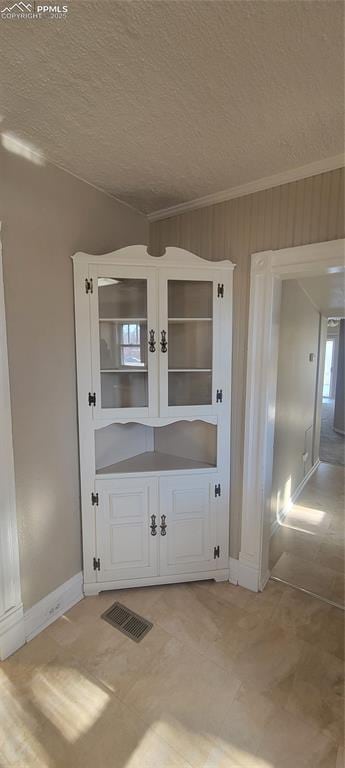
<point x="327" y="293"/>
<point x="163" y="102"/>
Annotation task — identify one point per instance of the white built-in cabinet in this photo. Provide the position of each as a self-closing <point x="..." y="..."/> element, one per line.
<point x="153" y="338"/>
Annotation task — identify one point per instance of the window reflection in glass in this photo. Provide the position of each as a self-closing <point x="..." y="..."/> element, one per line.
<point x="130" y="345"/>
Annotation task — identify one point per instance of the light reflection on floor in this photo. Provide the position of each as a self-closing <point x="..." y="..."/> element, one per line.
<point x="307" y="550"/>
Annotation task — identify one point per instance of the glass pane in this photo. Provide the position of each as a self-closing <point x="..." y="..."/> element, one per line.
<point x="190" y="388"/>
<point x="116" y="349"/>
<point x="190" y="298"/>
<point x="190" y="333"/>
<point x="123" y="342"/>
<point x="122" y="298"/>
<point x="124" y="390"/>
<point x="190" y="344"/>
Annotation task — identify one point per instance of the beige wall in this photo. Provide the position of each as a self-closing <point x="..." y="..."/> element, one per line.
<point x="47" y="215"/>
<point x="296" y="393"/>
<point x="306" y="211"/>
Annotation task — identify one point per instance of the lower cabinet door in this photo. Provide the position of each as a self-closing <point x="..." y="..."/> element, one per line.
<point x="127" y="546"/>
<point x="188" y="529"/>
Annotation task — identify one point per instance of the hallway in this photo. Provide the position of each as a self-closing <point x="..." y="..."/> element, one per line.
<point x="308" y="549"/>
<point x="332" y="443"/>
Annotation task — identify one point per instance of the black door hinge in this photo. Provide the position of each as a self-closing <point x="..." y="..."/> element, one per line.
<point x="220" y="291"/>
<point x="92" y="398"/>
<point x="216" y="552"/>
<point x="96" y="564"/>
<point x="217" y="490"/>
<point x="94" y="498"/>
<point x="219" y="396"/>
<point x="88" y="285"/>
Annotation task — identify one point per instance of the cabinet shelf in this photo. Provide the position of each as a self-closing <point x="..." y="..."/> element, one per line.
<point x="153" y="461"/>
<point x="123" y="319"/>
<point x="190" y="370"/>
<point x="123" y="370"/>
<point x="190" y="319"/>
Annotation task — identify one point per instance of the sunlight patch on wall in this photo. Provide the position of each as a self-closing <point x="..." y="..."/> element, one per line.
<point x="69" y="700"/>
<point x="282" y="502"/>
<point x="287" y="492"/>
<point x="17" y="146"/>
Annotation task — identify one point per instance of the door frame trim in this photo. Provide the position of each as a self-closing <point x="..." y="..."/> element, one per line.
<point x="268" y="270"/>
<point x="12" y="631"/>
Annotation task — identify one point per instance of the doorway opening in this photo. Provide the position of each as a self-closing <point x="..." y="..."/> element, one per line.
<point x="307" y="528"/>
<point x="266" y="506"/>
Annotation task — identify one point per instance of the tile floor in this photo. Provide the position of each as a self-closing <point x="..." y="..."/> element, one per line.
<point x="225" y="679"/>
<point x="308" y="549"/>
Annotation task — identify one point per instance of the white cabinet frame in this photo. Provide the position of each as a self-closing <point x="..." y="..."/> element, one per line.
<point x="219" y="373"/>
<point x="135" y="262"/>
<point x="150" y="276"/>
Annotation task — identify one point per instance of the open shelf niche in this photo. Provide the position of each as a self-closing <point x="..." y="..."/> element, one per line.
<point x="133" y="447"/>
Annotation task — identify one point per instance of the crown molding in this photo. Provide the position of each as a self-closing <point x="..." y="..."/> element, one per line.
<point x="302" y="172"/>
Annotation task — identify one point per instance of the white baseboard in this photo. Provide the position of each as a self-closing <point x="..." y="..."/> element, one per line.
<point x="292" y="500"/>
<point x="248" y="576"/>
<point x="53" y="606"/>
<point x="244" y="575"/>
<point x="264" y="581"/>
<point x="12" y="632"/>
<point x="233" y="570"/>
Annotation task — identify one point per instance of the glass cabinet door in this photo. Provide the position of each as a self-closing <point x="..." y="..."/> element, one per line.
<point x="188" y="325"/>
<point x="123" y="342"/>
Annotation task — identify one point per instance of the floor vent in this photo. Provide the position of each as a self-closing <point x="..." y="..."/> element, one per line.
<point x="127" y="621"/>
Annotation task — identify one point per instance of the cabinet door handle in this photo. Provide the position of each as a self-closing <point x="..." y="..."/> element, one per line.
<point x="163" y="525"/>
<point x="153" y="525"/>
<point x="152" y="343"/>
<point x="164" y="343"/>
